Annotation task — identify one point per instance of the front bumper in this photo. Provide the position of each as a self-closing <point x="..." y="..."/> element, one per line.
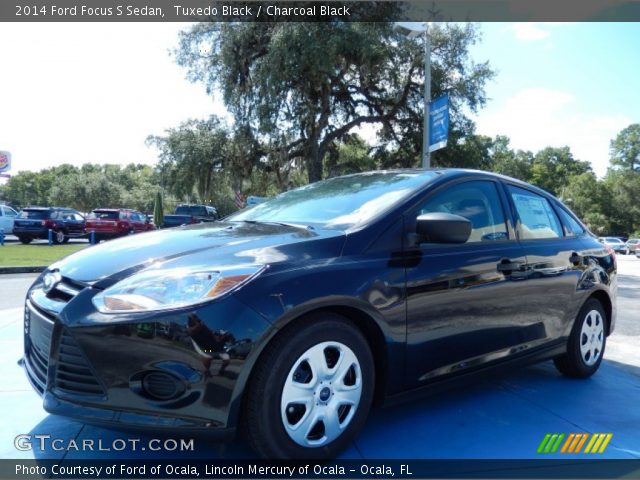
<point x="152" y="373"/>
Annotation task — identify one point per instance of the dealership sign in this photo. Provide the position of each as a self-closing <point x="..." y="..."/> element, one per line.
<point x="5" y="161"/>
<point x="438" y="123"/>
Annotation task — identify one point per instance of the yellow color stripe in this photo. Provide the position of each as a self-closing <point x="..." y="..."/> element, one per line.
<point x="605" y="443"/>
<point x="584" y="439"/>
<point x="591" y="442"/>
<point x="598" y="441"/>
<point x="566" y="444"/>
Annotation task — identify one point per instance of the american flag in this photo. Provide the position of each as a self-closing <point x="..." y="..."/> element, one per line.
<point x="240" y="199"/>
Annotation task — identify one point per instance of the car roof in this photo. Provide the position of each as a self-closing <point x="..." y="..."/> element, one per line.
<point x="50" y="208"/>
<point x="451" y="173"/>
<point x="112" y="210"/>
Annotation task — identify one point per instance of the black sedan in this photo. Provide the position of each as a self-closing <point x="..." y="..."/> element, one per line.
<point x="290" y="319"/>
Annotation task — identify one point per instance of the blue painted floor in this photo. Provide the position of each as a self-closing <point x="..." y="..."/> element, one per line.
<point x="503" y="418"/>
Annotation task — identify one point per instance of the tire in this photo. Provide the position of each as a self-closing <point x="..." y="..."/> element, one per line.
<point x="273" y="422"/>
<point x="25" y="240"/>
<point x="58" y="237"/>
<point x="586" y="344"/>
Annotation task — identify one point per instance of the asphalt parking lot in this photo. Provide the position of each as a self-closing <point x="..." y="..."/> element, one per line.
<point x="505" y="417"/>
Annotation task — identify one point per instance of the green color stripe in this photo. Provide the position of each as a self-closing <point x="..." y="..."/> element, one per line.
<point x="557" y="444"/>
<point x="547" y="449"/>
<point x="543" y="443"/>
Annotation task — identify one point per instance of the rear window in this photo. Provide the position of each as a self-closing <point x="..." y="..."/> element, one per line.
<point x="101" y="215"/>
<point x="184" y="210"/>
<point x="34" y="214"/>
<point x="571" y="225"/>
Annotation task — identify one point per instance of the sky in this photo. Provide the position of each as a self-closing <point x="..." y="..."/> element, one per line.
<point x="93" y="92"/>
<point x="557" y="84"/>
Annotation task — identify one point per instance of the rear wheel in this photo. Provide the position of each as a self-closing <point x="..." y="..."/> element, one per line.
<point x="25" y="240"/>
<point x="58" y="237"/>
<point x="312" y="390"/>
<point x="586" y="344"/>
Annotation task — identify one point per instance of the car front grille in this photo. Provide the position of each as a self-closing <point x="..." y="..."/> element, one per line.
<point x="73" y="372"/>
<point x="38" y="332"/>
<point x="65" y="290"/>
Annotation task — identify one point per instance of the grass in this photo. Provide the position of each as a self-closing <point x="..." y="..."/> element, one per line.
<point x="34" y="255"/>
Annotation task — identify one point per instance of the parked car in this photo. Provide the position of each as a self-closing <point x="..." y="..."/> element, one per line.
<point x="633" y="244"/>
<point x="344" y="293"/>
<point x="615" y="243"/>
<point x="7" y="217"/>
<point x="35" y="223"/>
<point x="116" y="222"/>
<point x="189" y="214"/>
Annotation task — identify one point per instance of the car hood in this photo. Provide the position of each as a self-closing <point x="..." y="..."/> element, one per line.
<point x="207" y="244"/>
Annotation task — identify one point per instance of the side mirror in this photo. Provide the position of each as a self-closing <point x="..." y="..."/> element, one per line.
<point x="440" y="227"/>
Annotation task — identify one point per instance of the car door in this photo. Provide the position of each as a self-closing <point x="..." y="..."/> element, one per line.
<point x="554" y="258"/>
<point x="10" y="215"/>
<point x="465" y="301"/>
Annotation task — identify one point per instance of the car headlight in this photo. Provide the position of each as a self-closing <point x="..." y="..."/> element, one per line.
<point x="167" y="289"/>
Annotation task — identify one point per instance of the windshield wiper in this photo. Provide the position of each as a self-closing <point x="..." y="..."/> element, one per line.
<point x="282" y="224"/>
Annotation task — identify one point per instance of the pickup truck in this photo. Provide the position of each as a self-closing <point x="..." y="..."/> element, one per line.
<point x="188" y="214"/>
<point x="7" y="217"/>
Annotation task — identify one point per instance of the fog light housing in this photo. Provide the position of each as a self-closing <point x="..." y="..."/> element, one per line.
<point x="162" y="386"/>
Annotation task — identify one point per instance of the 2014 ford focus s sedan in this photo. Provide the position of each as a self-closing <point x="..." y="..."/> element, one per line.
<point x="290" y="319"/>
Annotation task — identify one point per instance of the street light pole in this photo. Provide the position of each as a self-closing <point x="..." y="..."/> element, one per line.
<point x="426" y="155"/>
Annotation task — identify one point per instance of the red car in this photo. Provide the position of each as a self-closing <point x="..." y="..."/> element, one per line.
<point x="116" y="222"/>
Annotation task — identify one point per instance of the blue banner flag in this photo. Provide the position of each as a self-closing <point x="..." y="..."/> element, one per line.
<point x="438" y="123"/>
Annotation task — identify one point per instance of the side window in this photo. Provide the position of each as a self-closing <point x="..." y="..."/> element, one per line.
<point x="537" y="218"/>
<point x="10" y="212"/>
<point x="571" y="225"/>
<point x="477" y="201"/>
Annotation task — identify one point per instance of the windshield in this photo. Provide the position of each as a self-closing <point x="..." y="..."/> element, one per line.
<point x="339" y="202"/>
<point x="35" y="214"/>
<point x="613" y="240"/>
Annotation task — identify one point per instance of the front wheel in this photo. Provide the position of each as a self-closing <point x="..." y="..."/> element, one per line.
<point x="24" y="240"/>
<point x="311" y="391"/>
<point x="586" y="344"/>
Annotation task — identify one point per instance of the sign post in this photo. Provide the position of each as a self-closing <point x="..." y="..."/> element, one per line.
<point x="438" y="123"/>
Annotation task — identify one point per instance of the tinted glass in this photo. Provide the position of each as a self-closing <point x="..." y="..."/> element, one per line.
<point x="571" y="225"/>
<point x="102" y="215"/>
<point x="537" y="219"/>
<point x="34" y="214"/>
<point x="339" y="202"/>
<point x="191" y="210"/>
<point x="476" y="201"/>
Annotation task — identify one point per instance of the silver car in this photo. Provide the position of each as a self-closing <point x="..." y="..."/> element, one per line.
<point x="616" y="244"/>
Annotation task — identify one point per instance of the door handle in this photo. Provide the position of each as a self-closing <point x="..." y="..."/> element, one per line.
<point x="575" y="258"/>
<point x="508" y="266"/>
